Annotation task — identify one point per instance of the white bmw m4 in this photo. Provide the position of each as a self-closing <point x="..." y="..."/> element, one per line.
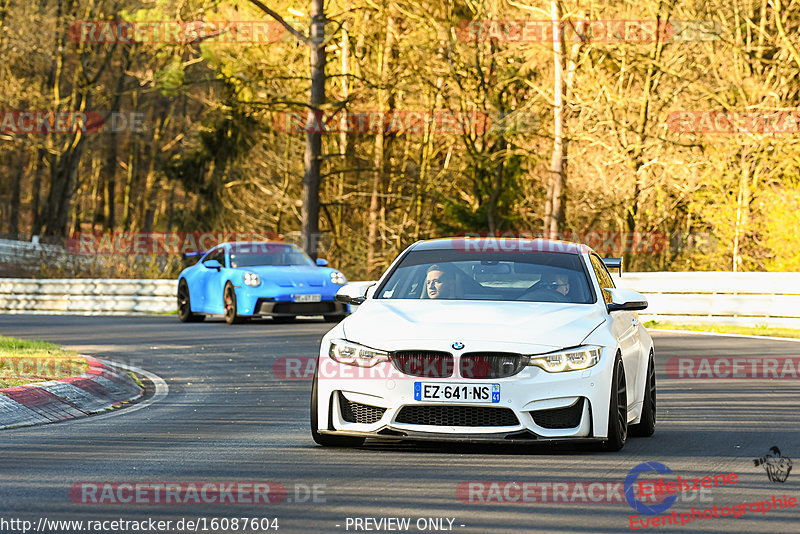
<point x="469" y="339"/>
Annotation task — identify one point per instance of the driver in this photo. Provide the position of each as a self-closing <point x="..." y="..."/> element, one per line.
<point x="556" y="282"/>
<point x="439" y="284"/>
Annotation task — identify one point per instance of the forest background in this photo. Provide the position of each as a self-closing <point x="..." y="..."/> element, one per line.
<point x="665" y="131"/>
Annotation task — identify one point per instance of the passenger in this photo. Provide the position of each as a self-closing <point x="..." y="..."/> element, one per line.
<point x="439" y="283"/>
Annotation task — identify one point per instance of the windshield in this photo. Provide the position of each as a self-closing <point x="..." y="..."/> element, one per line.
<point x="263" y="254"/>
<point x="460" y="275"/>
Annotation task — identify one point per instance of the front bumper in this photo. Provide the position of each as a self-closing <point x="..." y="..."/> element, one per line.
<point x="500" y="437"/>
<point x="537" y="405"/>
<point x="278" y="309"/>
<point x="263" y="301"/>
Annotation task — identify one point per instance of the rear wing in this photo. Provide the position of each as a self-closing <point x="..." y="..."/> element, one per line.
<point x="613" y="264"/>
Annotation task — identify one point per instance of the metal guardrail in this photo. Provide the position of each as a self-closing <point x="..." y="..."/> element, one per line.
<point x="87" y="296"/>
<point x="745" y="299"/>
<point x="30" y="255"/>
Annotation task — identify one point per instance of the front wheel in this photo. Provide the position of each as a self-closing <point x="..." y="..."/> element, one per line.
<point x="185" y="314"/>
<point x="647" y="423"/>
<point x="327" y="440"/>
<point x="229" y="298"/>
<point x="617" y="410"/>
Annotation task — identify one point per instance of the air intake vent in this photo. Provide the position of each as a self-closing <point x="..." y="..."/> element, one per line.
<point x="355" y="412"/>
<point x="568" y="417"/>
<point x="457" y="416"/>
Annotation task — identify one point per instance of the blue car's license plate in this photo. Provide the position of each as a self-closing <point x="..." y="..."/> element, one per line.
<point x="456" y="392"/>
<point x="307" y="298"/>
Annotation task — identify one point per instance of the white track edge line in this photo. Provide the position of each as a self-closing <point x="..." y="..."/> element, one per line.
<point x="162" y="389"/>
<point x="747" y="336"/>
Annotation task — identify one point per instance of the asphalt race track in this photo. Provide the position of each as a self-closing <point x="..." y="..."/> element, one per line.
<point x="228" y="418"/>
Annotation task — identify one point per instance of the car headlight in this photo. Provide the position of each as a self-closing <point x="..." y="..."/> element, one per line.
<point x="354" y="354"/>
<point x="252" y="279"/>
<point x="567" y="360"/>
<point x="338" y="278"/>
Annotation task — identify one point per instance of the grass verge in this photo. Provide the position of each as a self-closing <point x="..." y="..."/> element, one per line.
<point x="25" y="362"/>
<point x="761" y="330"/>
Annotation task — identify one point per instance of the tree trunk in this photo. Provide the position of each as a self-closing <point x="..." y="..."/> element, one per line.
<point x="129" y="213"/>
<point x="742" y="208"/>
<point x="385" y="105"/>
<point x="153" y="178"/>
<point x="313" y="153"/>
<point x="636" y="153"/>
<point x="345" y="146"/>
<point x="110" y="192"/>
<point x="556" y="193"/>
<point x="13" y="221"/>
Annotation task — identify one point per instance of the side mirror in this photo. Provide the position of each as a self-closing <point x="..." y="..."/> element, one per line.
<point x="371" y="290"/>
<point x="625" y="299"/>
<point x="322" y="262"/>
<point x="613" y="264"/>
<point x="354" y="293"/>
<point x="212" y="264"/>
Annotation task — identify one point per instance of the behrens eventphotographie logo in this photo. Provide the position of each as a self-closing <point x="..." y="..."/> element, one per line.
<point x="776" y="465"/>
<point x="666" y="492"/>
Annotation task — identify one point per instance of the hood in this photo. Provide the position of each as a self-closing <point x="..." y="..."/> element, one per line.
<point x="292" y="276"/>
<point x="392" y="324"/>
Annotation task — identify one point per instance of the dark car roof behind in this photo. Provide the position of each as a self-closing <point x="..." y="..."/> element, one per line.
<point x="248" y="244"/>
<point x="501" y="244"/>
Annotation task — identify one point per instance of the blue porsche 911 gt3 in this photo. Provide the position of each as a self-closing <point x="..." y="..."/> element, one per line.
<point x="252" y="279"/>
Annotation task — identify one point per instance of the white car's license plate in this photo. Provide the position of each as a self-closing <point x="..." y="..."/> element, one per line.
<point x="455" y="392"/>
<point x="307" y="298"/>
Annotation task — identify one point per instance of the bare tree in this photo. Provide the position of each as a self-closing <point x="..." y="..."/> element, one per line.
<point x="313" y="152"/>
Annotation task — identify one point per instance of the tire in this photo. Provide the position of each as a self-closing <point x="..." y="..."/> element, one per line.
<point x="283" y="318"/>
<point x="617" y="410"/>
<point x="647" y="422"/>
<point x="229" y="300"/>
<point x="185" y="314"/>
<point x="327" y="440"/>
